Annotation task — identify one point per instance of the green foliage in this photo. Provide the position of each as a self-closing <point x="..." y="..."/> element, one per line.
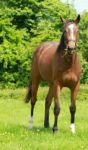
<point x="84" y="35"/>
<point x="84" y="77"/>
<point x="83" y="46"/>
<point x="24" y="24"/>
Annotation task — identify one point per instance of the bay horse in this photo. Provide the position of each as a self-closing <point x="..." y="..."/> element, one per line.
<point x="59" y="65"/>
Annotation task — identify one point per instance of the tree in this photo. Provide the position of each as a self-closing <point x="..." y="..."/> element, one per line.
<point x="24" y="24"/>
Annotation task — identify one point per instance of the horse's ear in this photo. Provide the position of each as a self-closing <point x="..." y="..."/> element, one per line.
<point x="77" y="19"/>
<point x="63" y="20"/>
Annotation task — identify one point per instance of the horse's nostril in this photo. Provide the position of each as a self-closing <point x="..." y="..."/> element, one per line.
<point x="71" y="49"/>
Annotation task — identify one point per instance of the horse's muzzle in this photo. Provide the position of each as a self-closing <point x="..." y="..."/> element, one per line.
<point x="71" y="46"/>
<point x="71" y="50"/>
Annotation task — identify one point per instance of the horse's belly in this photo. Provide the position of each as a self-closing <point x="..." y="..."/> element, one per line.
<point x="45" y="66"/>
<point x="45" y="61"/>
<point x="45" y="71"/>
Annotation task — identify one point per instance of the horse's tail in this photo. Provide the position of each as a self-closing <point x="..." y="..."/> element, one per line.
<point x="29" y="94"/>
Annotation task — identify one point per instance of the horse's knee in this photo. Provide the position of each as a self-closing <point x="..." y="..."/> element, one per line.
<point x="56" y="111"/>
<point x="47" y="103"/>
<point x="72" y="109"/>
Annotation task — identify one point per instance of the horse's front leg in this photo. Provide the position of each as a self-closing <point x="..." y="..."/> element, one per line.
<point x="47" y="106"/>
<point x="56" y="106"/>
<point x="73" y="107"/>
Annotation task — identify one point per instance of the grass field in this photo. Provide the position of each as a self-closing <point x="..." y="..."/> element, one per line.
<point x="14" y="116"/>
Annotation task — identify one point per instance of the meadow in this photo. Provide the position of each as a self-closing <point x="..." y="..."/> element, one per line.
<point x="14" y="122"/>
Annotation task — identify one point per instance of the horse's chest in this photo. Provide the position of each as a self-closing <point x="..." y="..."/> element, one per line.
<point x="69" y="77"/>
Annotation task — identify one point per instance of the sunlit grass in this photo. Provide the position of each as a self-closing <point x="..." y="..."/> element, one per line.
<point x="14" y="122"/>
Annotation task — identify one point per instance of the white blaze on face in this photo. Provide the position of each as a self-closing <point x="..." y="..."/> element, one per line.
<point x="71" y="28"/>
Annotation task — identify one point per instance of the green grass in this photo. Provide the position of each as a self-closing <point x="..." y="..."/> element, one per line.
<point x="14" y="116"/>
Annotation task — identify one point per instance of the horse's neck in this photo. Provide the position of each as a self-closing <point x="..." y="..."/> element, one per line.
<point x="62" y="45"/>
<point x="68" y="59"/>
<point x="71" y="59"/>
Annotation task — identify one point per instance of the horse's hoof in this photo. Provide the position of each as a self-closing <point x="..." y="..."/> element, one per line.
<point x="30" y="126"/>
<point x="72" y="127"/>
<point x="46" y="125"/>
<point x="55" y="129"/>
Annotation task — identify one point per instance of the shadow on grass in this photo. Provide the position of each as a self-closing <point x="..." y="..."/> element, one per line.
<point x="19" y="128"/>
<point x="49" y="130"/>
<point x="38" y="129"/>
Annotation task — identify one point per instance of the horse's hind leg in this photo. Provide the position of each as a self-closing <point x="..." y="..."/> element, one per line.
<point x="73" y="107"/>
<point x="47" y="106"/>
<point x="35" y="84"/>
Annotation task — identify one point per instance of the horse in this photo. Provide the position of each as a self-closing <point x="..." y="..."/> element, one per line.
<point x="58" y="64"/>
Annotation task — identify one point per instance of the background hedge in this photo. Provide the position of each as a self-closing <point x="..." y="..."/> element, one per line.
<point x="24" y="24"/>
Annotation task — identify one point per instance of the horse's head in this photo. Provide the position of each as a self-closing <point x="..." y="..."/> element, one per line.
<point x="70" y="33"/>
